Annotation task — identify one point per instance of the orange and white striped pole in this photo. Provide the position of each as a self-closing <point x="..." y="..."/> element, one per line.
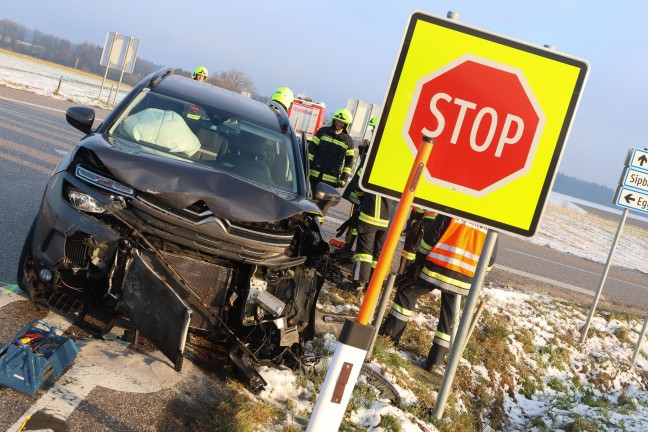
<point x="356" y="337"/>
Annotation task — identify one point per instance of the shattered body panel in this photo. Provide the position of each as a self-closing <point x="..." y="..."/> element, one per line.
<point x="221" y="235"/>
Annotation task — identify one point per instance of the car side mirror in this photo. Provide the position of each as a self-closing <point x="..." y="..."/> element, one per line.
<point x="325" y="197"/>
<point x="81" y="118"/>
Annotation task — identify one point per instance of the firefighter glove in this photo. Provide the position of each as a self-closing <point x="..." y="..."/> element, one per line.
<point x="341" y="183"/>
<point x="350" y="223"/>
<point x="410" y="275"/>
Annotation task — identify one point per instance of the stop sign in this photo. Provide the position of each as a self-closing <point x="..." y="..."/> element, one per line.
<point x="485" y="120"/>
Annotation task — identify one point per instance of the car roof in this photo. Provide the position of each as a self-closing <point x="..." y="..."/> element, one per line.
<point x="202" y="93"/>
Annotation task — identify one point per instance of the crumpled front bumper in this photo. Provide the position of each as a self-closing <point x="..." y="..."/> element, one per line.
<point x="58" y="220"/>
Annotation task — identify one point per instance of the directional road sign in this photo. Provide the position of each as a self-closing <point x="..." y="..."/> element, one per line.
<point x="638" y="158"/>
<point x="499" y="111"/>
<point x="633" y="199"/>
<point x="635" y="178"/>
<point x="632" y="192"/>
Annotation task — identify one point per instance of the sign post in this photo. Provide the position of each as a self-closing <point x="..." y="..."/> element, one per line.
<point x="632" y="194"/>
<point x="461" y="338"/>
<point x="120" y="52"/>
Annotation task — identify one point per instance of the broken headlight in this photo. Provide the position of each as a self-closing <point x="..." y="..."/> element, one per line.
<point x="84" y="202"/>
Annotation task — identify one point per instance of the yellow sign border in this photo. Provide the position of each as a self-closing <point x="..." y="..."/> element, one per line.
<point x="430" y="43"/>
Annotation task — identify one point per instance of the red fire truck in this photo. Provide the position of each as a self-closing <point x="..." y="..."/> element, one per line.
<point x="306" y="116"/>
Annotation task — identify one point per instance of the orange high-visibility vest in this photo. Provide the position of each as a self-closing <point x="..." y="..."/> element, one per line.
<point x="452" y="261"/>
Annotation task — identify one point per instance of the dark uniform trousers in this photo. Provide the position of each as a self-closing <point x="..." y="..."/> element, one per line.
<point x="370" y="241"/>
<point x="406" y="297"/>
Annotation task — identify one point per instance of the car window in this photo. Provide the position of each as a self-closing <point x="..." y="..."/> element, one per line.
<point x="206" y="136"/>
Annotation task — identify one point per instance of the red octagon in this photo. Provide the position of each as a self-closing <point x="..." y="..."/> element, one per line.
<point x="485" y="120"/>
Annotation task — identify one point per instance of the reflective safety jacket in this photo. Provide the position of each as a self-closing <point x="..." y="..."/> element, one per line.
<point x="452" y="248"/>
<point x="374" y="209"/>
<point x="331" y="155"/>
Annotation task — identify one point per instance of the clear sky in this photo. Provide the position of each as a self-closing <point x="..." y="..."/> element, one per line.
<point x="336" y="50"/>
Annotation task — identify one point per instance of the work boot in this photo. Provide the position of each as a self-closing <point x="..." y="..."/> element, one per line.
<point x="393" y="329"/>
<point x="438" y="370"/>
<point x="360" y="290"/>
<point x="353" y="286"/>
<point x="435" y="356"/>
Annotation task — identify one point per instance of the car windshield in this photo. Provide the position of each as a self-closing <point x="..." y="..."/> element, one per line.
<point x="206" y="136"/>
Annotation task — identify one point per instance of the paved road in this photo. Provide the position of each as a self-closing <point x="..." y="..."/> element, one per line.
<point x="525" y="265"/>
<point x="34" y="137"/>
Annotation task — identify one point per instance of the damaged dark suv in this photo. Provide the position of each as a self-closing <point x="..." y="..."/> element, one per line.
<point x="188" y="208"/>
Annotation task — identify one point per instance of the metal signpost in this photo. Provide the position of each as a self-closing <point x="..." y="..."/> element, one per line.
<point x="632" y="194"/>
<point x="120" y="52"/>
<point x="499" y="112"/>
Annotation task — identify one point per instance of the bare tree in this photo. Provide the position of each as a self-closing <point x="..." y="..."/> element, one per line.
<point x="89" y="56"/>
<point x="234" y="80"/>
<point x="86" y="56"/>
<point x="11" y="34"/>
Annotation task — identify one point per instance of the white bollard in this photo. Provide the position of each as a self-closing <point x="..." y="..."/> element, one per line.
<point x="341" y="377"/>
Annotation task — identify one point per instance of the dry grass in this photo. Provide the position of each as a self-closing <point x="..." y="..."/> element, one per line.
<point x="417" y="340"/>
<point x="622" y="334"/>
<point x="240" y="412"/>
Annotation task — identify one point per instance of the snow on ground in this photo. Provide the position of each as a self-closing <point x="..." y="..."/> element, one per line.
<point x="598" y="370"/>
<point x="61" y="83"/>
<point x="560" y="231"/>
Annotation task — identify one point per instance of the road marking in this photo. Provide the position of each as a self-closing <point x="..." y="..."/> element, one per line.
<point x="38" y="106"/>
<point x="576" y="268"/>
<point x="545" y="280"/>
<point x="31" y="104"/>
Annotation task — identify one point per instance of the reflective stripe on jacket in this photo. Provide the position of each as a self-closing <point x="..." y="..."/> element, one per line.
<point x="331" y="155"/>
<point x="451" y="258"/>
<point x="375" y="210"/>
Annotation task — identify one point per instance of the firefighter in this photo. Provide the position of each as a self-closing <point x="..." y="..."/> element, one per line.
<point x="200" y="73"/>
<point x="373" y="122"/>
<point x="284" y="96"/>
<point x="419" y="219"/>
<point x="446" y="260"/>
<point x="351" y="194"/>
<point x="373" y="215"/>
<point x="331" y="153"/>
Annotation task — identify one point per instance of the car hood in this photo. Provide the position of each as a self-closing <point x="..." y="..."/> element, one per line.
<point x="182" y="184"/>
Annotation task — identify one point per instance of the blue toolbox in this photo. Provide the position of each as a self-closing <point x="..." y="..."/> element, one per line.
<point x="38" y="355"/>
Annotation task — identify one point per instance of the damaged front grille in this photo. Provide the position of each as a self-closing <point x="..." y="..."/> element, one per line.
<point x="76" y="250"/>
<point x="209" y="281"/>
<point x="199" y="229"/>
<point x="199" y="209"/>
